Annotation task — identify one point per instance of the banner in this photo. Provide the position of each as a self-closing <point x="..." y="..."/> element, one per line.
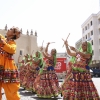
<point x="60" y="66"/>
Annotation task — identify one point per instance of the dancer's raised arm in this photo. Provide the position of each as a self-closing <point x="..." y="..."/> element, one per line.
<point x="67" y="49"/>
<point x="46" y="49"/>
<point x="46" y="56"/>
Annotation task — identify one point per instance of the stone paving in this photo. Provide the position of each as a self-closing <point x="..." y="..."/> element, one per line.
<point x="25" y="95"/>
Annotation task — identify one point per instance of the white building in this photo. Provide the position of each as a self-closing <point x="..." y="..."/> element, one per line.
<point x="91" y="33"/>
<point x="78" y="43"/>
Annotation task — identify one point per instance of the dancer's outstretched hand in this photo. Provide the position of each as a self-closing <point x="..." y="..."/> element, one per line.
<point x="65" y="42"/>
<point x="48" y="43"/>
<point x="72" y="48"/>
<point x="41" y="48"/>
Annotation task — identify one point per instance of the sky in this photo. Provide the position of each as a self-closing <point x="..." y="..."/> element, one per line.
<point x="52" y="19"/>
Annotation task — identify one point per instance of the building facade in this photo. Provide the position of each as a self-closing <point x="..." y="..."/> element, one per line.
<point x="26" y="44"/>
<point x="78" y="44"/>
<point x="91" y="33"/>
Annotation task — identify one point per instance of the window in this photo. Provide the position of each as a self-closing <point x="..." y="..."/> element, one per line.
<point x="88" y="26"/>
<point x="99" y="41"/>
<point x="99" y="31"/>
<point x="83" y="30"/>
<point x="92" y="42"/>
<point x="91" y="23"/>
<point x="93" y="52"/>
<point x="86" y="36"/>
<point x="21" y="52"/>
<point x="85" y="27"/>
<point x="98" y="21"/>
<point x="91" y="32"/>
<point x="99" y="51"/>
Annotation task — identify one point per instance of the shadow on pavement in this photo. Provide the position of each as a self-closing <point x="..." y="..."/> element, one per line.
<point x="27" y="93"/>
<point x="24" y="92"/>
<point x="21" y="89"/>
<point x="37" y="98"/>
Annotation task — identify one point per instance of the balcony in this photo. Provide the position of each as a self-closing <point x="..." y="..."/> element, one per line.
<point x="88" y="39"/>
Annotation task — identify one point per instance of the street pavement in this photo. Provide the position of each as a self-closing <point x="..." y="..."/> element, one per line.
<point x="25" y="95"/>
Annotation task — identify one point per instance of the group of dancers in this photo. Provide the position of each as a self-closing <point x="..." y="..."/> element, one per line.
<point x="40" y="77"/>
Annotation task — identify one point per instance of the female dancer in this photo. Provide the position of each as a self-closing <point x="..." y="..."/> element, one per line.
<point x="46" y="84"/>
<point x="33" y="69"/>
<point x="24" y="70"/>
<point x="78" y="84"/>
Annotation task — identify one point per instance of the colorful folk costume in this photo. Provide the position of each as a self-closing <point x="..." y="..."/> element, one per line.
<point x="78" y="84"/>
<point x="32" y="70"/>
<point x="29" y="77"/>
<point x="23" y="71"/>
<point x="46" y="84"/>
<point x="9" y="78"/>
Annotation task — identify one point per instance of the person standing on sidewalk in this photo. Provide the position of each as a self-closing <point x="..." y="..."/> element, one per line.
<point x="9" y="77"/>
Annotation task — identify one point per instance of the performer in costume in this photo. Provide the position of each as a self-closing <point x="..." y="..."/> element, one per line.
<point x="78" y="84"/>
<point x="38" y="60"/>
<point x="9" y="78"/>
<point x="27" y="77"/>
<point x="23" y="70"/>
<point x="46" y="84"/>
<point x="20" y="62"/>
<point x="33" y="69"/>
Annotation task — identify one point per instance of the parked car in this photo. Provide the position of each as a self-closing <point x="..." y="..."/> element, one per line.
<point x="91" y="72"/>
<point x="96" y="72"/>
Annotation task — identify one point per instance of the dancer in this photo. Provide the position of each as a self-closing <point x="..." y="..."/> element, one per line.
<point x="46" y="84"/>
<point x="34" y="66"/>
<point x="78" y="84"/>
<point x="23" y="70"/>
<point x="9" y="78"/>
<point x="38" y="60"/>
<point x="20" y="62"/>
